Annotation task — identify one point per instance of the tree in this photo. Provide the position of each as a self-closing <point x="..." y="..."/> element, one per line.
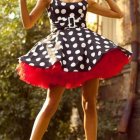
<point x="135" y="119"/>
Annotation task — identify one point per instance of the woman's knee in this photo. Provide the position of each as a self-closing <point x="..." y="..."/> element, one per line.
<point x="48" y="108"/>
<point x="52" y="101"/>
<point x="89" y="92"/>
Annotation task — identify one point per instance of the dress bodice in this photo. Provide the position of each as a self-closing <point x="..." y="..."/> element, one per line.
<point x="67" y="14"/>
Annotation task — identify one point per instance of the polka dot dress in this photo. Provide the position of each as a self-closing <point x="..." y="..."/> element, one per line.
<point x="72" y="46"/>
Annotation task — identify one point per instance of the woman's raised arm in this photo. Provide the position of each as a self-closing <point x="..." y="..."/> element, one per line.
<point x="113" y="12"/>
<point x="29" y="20"/>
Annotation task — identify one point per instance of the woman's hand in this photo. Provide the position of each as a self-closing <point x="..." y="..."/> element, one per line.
<point x="113" y="12"/>
<point x="29" y="20"/>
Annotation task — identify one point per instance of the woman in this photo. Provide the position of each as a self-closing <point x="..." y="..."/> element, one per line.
<point x="71" y="56"/>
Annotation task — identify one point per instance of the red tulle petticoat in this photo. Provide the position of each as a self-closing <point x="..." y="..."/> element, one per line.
<point x="109" y="65"/>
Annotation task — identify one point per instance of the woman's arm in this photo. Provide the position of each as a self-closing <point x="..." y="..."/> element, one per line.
<point x="29" y="20"/>
<point x="113" y="12"/>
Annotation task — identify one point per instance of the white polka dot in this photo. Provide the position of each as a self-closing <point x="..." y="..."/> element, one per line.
<point x="64" y="19"/>
<point x="77" y="51"/>
<point x="28" y="59"/>
<point x="65" y="39"/>
<point x="83" y="45"/>
<point x="80" y="3"/>
<point x="99" y="53"/>
<point x="64" y="62"/>
<point x="89" y="41"/>
<point x="67" y="45"/>
<point x="63" y="4"/>
<point x="93" y="54"/>
<point x="71" y="58"/>
<point x="87" y="31"/>
<point x="63" y="11"/>
<point x="89" y="68"/>
<point x="94" y="61"/>
<point x="70" y="33"/>
<point x="65" y="69"/>
<point x="96" y="38"/>
<point x="62" y="33"/>
<point x="41" y="48"/>
<point x="91" y="47"/>
<point x="106" y="49"/>
<point x="106" y="46"/>
<point x="59" y="18"/>
<point x="42" y="64"/>
<point x="72" y="14"/>
<point x="62" y="23"/>
<point x="38" y="59"/>
<point x="56" y="11"/>
<point x="98" y="47"/>
<point x="80" y="58"/>
<point x="88" y="35"/>
<point x="84" y="8"/>
<point x="79" y="34"/>
<point x="75" y="45"/>
<point x="87" y="60"/>
<point x="44" y="52"/>
<point x="63" y="54"/>
<point x="50" y="45"/>
<point x="72" y="6"/>
<point x="80" y="11"/>
<point x="46" y="56"/>
<point x="68" y="51"/>
<point x="106" y="42"/>
<point x="31" y="64"/>
<point x="72" y="39"/>
<point x="58" y="56"/>
<point x="78" y="29"/>
<point x="82" y="66"/>
<point x="97" y="42"/>
<point x="75" y="70"/>
<point x="81" y="39"/>
<point x="73" y="64"/>
<point x="35" y="54"/>
<point x="85" y="52"/>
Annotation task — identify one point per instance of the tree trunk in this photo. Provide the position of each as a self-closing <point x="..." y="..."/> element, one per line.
<point x="134" y="126"/>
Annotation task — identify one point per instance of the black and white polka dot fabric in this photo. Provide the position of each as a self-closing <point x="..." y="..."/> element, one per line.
<point x="70" y="42"/>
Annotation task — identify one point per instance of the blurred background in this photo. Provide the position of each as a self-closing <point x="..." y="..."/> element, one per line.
<point x="20" y="102"/>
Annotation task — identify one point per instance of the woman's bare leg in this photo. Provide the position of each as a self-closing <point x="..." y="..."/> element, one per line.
<point x="47" y="111"/>
<point x="89" y="94"/>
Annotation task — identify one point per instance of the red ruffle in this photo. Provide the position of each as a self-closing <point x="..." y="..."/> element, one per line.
<point x="109" y="65"/>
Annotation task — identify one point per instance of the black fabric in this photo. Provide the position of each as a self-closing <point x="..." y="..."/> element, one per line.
<point x="70" y="41"/>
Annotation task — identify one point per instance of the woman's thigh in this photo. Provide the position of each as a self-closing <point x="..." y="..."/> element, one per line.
<point x="90" y="90"/>
<point x="53" y="98"/>
<point x="55" y="92"/>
